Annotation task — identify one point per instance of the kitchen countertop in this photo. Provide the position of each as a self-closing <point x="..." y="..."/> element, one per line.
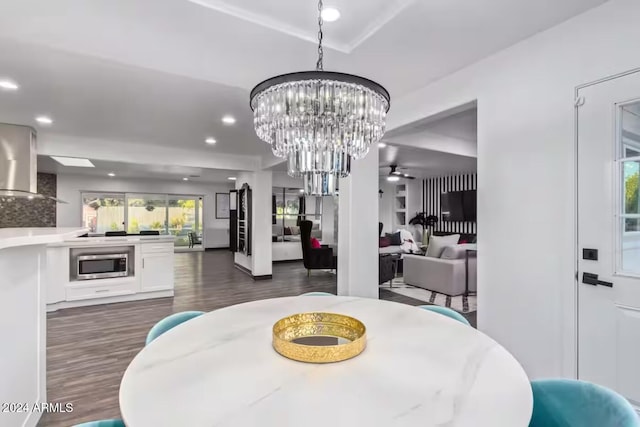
<point x="13" y="237"/>
<point x="113" y="240"/>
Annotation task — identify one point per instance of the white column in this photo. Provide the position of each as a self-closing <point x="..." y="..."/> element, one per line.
<point x="327" y="220"/>
<point x="358" y="229"/>
<point x="259" y="262"/>
<point x="261" y="236"/>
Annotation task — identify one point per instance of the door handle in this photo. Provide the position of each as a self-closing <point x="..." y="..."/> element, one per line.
<point x="592" y="279"/>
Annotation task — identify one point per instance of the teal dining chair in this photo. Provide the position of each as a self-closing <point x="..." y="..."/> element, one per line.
<point x="572" y="403"/>
<point x="102" y="423"/>
<point x="446" y="312"/>
<point x="317" y="294"/>
<point x="170" y="322"/>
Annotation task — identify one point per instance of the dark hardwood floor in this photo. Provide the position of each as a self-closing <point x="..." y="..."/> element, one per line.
<point x="89" y="348"/>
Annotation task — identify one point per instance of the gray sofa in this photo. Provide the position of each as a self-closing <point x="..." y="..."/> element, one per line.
<point x="446" y="276"/>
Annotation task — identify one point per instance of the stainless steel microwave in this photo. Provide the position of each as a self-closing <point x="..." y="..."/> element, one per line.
<point x="102" y="266"/>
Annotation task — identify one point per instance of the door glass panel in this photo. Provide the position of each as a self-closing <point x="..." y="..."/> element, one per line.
<point x="631" y="175"/>
<point x="146" y="212"/>
<point x="185" y="220"/>
<point x="103" y="212"/>
<point x="629" y="254"/>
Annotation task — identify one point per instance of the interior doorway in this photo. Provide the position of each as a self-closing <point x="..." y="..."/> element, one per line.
<point x="428" y="210"/>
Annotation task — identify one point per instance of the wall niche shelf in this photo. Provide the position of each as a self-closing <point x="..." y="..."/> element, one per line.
<point x="400" y="205"/>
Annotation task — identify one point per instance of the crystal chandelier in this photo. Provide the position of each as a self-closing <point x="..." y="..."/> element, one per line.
<point x="319" y="120"/>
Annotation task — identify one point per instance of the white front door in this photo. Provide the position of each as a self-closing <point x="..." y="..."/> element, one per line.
<point x="609" y="235"/>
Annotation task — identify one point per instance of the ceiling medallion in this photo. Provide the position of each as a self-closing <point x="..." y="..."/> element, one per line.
<point x="319" y="120"/>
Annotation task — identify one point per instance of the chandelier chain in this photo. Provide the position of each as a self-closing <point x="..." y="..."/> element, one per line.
<point x="319" y="64"/>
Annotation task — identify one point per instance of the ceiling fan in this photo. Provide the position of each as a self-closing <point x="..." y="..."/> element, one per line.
<point x="395" y="174"/>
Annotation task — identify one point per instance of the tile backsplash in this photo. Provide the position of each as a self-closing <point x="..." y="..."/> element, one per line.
<point x="31" y="213"/>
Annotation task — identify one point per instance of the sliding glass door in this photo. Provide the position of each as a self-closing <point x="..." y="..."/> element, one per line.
<point x="103" y="212"/>
<point x="146" y="212"/>
<point x="185" y="220"/>
<point x="178" y="215"/>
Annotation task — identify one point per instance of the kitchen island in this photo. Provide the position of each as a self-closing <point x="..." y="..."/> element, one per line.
<point x="23" y="282"/>
<point x="101" y="270"/>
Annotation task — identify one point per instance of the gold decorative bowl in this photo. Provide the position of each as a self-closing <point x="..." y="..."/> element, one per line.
<point x="319" y="337"/>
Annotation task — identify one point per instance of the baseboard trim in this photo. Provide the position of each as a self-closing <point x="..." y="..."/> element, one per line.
<point x="248" y="272"/>
<point x="168" y="293"/>
<point x="216" y="249"/>
<point x="242" y="268"/>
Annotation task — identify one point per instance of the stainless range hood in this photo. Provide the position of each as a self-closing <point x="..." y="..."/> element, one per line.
<point x="18" y="163"/>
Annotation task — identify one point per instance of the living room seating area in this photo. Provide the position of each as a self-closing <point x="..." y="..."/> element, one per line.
<point x="447" y="267"/>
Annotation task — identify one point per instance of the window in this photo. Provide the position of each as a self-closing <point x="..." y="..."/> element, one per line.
<point x="629" y="159"/>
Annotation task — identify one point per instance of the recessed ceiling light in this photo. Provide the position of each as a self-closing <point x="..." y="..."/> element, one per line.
<point x="228" y="120"/>
<point x="111" y="174"/>
<point x="185" y="179"/>
<point x="73" y="161"/>
<point x="302" y="190"/>
<point x="232" y="178"/>
<point x="406" y="175"/>
<point x="44" y="120"/>
<point x="393" y="178"/>
<point x="330" y="14"/>
<point x="210" y="141"/>
<point x="381" y="145"/>
<point x="8" y="85"/>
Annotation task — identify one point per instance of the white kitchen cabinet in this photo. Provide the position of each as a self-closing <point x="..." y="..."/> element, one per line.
<point x="150" y="271"/>
<point x="157" y="268"/>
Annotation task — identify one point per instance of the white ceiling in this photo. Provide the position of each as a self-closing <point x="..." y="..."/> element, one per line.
<point x="94" y="98"/>
<point x="422" y="163"/>
<point x="424" y="157"/>
<point x="359" y="19"/>
<point x="140" y="171"/>
<point x="462" y="125"/>
<point x="163" y="73"/>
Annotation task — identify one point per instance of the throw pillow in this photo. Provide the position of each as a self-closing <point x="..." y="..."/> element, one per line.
<point x="457" y="251"/>
<point x="287" y="231"/>
<point x="315" y="243"/>
<point x="395" y="238"/>
<point x="405" y="236"/>
<point x="437" y="244"/>
<point x="384" y="242"/>
<point x="452" y="252"/>
<point x="295" y="230"/>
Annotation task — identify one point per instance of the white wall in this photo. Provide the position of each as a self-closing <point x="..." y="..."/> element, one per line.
<point x="216" y="231"/>
<point x="526" y="219"/>
<point x="385" y="206"/>
<point x="281" y="179"/>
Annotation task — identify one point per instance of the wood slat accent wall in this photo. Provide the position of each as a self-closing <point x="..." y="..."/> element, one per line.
<point x="432" y="188"/>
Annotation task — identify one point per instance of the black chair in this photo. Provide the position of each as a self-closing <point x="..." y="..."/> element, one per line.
<point x="194" y="239"/>
<point x="149" y="233"/>
<point x="115" y="233"/>
<point x="315" y="259"/>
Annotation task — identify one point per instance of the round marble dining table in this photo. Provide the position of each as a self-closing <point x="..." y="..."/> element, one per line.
<point x="418" y="369"/>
